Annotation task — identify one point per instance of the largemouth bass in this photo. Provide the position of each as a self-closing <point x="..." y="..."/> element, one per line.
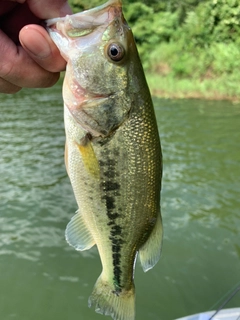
<point x="113" y="154"/>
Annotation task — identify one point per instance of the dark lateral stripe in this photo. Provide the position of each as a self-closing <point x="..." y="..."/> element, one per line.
<point x="111" y="190"/>
<point x="117" y="242"/>
<point x="110" y="203"/>
<point x="112" y="217"/>
<point x="117" y="272"/>
<point x="116" y="230"/>
<point x="110" y="186"/>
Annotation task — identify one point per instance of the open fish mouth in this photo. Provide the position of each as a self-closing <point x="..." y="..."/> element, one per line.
<point x="85" y="22"/>
<point x="73" y="34"/>
<point x="84" y="27"/>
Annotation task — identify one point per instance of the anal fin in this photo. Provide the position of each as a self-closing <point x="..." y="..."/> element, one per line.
<point x="150" y="252"/>
<point x="77" y="233"/>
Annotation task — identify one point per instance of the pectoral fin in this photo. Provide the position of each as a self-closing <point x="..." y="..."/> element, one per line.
<point x="77" y="233"/>
<point x="150" y="252"/>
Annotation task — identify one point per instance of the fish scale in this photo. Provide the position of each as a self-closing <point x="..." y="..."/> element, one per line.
<point x="113" y="153"/>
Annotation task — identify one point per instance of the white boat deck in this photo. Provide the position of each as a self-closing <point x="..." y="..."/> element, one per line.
<point x="225" y="314"/>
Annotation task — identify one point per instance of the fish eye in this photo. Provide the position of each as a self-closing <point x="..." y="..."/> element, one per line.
<point x="115" y="52"/>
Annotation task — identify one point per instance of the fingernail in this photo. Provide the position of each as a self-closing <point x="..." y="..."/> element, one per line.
<point x="36" y="43"/>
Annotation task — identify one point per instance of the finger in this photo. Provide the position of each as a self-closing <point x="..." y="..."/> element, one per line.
<point x="37" y="42"/>
<point x="46" y="9"/>
<point x="18" y="68"/>
<point x="15" y="20"/>
<point x="7" y="87"/>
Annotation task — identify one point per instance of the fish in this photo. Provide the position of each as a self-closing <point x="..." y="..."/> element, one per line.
<point x="113" y="153"/>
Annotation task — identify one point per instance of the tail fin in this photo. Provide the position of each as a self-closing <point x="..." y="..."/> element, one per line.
<point x="119" y="305"/>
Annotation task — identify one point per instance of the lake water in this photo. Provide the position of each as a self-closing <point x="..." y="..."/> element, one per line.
<point x="42" y="278"/>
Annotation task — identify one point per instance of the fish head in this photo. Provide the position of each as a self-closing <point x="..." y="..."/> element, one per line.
<point x="100" y="51"/>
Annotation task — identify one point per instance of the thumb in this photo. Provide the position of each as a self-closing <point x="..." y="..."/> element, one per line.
<point x="38" y="44"/>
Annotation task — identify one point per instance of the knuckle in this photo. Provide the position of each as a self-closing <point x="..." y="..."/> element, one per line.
<point x="50" y="80"/>
<point x="6" y="69"/>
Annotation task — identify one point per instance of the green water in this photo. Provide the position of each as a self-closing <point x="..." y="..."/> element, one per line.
<point x="42" y="278"/>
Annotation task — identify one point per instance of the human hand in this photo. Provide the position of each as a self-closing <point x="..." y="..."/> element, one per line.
<point x="28" y="56"/>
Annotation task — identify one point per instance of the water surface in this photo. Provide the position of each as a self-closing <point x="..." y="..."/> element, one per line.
<point x="41" y="277"/>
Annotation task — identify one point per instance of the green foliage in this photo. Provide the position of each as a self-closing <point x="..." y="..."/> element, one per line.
<point x="211" y="21"/>
<point x="226" y="58"/>
<point x="148" y="28"/>
<point x="80" y="5"/>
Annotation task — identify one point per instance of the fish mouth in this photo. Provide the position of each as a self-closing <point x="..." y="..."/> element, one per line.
<point x="84" y="22"/>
